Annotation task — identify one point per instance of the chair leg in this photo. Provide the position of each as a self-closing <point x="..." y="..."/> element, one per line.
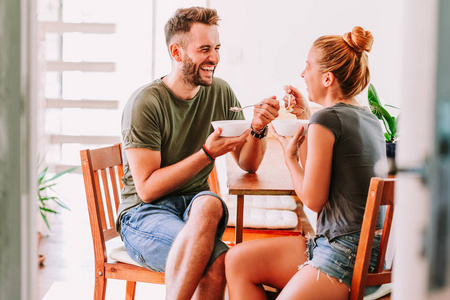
<point x="131" y="290"/>
<point x="100" y="288"/>
<point x="271" y="293"/>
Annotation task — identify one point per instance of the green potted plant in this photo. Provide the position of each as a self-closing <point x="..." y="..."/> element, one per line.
<point x="45" y="191"/>
<point x="47" y="198"/>
<point x="390" y="122"/>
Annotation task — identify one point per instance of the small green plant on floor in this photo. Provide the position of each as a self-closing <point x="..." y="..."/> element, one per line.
<point x="44" y="191"/>
<point x="389" y="121"/>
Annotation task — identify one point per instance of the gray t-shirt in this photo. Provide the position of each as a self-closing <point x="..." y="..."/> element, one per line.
<point x="156" y="119"/>
<point x="359" y="145"/>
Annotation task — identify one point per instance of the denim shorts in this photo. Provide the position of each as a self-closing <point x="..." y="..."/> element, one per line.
<point x="336" y="258"/>
<point x="149" y="229"/>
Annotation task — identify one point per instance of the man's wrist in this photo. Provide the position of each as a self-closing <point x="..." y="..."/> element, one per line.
<point x="259" y="130"/>
<point x="208" y="154"/>
<point x="259" y="134"/>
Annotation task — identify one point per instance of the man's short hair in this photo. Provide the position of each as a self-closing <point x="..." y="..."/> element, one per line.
<point x="183" y="18"/>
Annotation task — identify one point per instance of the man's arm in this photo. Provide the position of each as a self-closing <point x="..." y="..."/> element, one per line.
<point x="249" y="155"/>
<point x="153" y="182"/>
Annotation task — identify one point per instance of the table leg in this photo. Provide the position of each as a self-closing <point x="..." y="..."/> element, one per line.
<point x="239" y="218"/>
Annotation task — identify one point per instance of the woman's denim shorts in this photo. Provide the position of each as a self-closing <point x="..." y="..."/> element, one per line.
<point x="149" y="229"/>
<point x="337" y="258"/>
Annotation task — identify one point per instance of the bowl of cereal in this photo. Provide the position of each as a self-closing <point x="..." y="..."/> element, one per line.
<point x="288" y="127"/>
<point x="231" y="128"/>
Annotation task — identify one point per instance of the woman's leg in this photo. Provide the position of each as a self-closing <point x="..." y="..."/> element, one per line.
<point x="310" y="283"/>
<point x="271" y="261"/>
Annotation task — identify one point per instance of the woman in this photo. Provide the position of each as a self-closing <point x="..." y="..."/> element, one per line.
<point x="330" y="171"/>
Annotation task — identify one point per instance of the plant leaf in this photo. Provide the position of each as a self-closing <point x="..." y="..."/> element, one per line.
<point x="378" y="110"/>
<point x="42" y="175"/>
<point x="61" y="174"/>
<point x="46" y="186"/>
<point x="389" y="105"/>
<point x="48" y="210"/>
<point x="60" y="203"/>
<point x="44" y="217"/>
<point x="48" y="198"/>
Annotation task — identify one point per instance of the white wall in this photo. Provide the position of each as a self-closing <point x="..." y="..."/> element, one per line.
<point x="265" y="42"/>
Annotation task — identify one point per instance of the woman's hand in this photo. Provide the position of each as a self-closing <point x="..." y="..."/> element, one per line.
<point x="290" y="146"/>
<point x="298" y="105"/>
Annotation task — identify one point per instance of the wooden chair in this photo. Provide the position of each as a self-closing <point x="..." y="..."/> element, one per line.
<point x="102" y="171"/>
<point x="381" y="192"/>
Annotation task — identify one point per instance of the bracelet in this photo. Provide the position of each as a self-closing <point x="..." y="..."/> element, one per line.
<point x="260" y="133"/>
<point x="211" y="158"/>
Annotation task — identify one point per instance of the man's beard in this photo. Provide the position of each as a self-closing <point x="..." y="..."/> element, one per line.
<point x="191" y="73"/>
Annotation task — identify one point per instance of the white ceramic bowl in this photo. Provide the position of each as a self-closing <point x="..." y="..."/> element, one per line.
<point x="288" y="127"/>
<point x="232" y="128"/>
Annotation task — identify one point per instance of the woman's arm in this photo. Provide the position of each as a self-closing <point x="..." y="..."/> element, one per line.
<point x="311" y="182"/>
<point x="315" y="186"/>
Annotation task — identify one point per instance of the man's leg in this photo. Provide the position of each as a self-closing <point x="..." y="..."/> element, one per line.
<point x="212" y="284"/>
<point x="191" y="251"/>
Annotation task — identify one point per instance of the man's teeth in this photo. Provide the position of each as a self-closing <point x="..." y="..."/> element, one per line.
<point x="210" y="69"/>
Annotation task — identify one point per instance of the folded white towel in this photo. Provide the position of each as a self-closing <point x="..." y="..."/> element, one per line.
<point x="265" y="218"/>
<point x="267" y="202"/>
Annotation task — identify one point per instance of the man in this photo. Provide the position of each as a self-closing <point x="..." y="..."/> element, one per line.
<point x="169" y="220"/>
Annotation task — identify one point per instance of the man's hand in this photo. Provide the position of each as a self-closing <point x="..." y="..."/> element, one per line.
<point x="219" y="146"/>
<point x="265" y="113"/>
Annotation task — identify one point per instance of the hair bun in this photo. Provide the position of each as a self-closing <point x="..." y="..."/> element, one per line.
<point x="359" y="39"/>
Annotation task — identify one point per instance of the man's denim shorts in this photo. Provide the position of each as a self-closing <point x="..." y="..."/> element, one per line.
<point x="149" y="229"/>
<point x="337" y="258"/>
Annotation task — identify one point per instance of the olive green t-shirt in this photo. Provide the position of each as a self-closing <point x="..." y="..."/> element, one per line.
<point x="156" y="119"/>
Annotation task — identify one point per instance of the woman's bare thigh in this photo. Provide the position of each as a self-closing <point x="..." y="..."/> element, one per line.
<point x="271" y="261"/>
<point x="310" y="283"/>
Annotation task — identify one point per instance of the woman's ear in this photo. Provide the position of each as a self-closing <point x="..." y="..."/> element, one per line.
<point x="175" y="52"/>
<point x="328" y="79"/>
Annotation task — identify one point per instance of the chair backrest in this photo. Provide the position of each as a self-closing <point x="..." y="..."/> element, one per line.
<point x="102" y="171"/>
<point x="381" y="192"/>
<point x="213" y="181"/>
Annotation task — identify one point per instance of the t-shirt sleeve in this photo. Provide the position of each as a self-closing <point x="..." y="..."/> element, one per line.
<point x="327" y="118"/>
<point x="140" y="121"/>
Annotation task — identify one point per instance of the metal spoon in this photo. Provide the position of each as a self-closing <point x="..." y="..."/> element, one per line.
<point x="236" y="109"/>
<point x="289" y="108"/>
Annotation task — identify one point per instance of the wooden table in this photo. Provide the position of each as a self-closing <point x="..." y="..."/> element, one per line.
<point x="272" y="178"/>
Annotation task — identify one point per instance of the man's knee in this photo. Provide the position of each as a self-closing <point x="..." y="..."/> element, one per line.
<point x="207" y="206"/>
